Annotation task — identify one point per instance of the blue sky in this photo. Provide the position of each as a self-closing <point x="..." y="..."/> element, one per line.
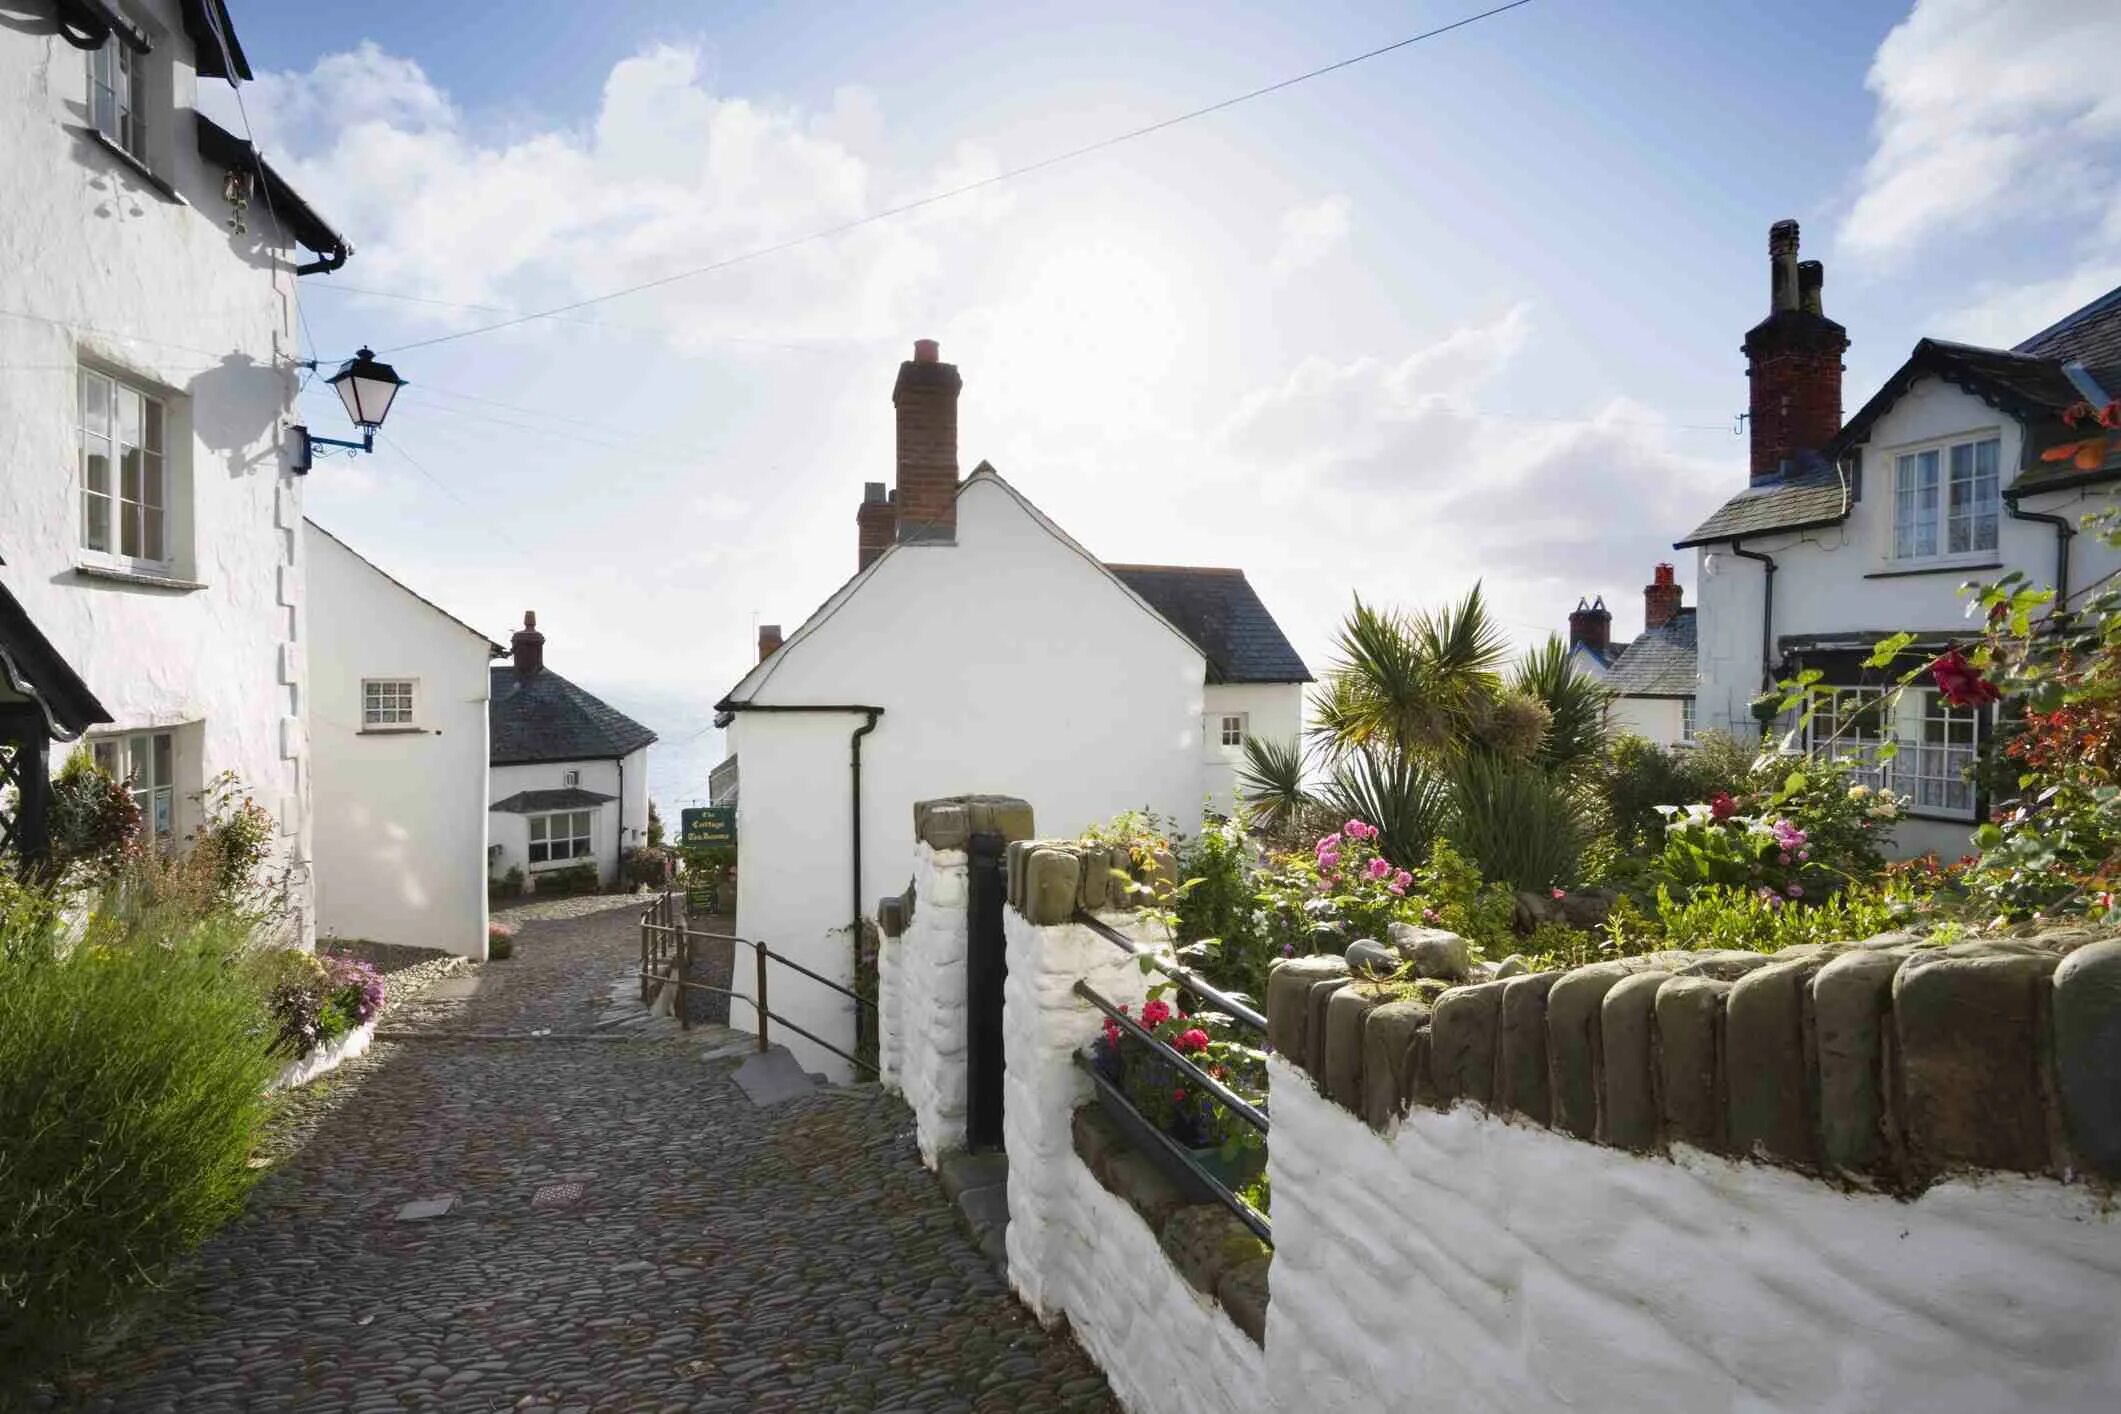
<point x="1469" y="309"/>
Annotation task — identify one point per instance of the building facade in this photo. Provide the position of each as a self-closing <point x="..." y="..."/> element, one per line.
<point x="150" y="512"/>
<point x="1653" y="677"/>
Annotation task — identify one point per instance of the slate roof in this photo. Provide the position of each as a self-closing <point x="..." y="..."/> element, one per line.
<point x="2091" y="336"/>
<point x="533" y="802"/>
<point x="33" y="670"/>
<point x="1218" y="610"/>
<point x="1811" y="494"/>
<point x="544" y="717"/>
<point x="1661" y="662"/>
<point x="2026" y="387"/>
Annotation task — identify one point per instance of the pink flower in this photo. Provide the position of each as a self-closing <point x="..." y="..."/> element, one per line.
<point x="1378" y="867"/>
<point x="1804" y="854"/>
<point x="1193" y="1040"/>
<point x="1795" y="891"/>
<point x="1156" y="1012"/>
<point x="1400" y="881"/>
<point x="1328" y="844"/>
<point x="1721" y="806"/>
<point x="1561" y="893"/>
<point x="1783" y="858"/>
<point x="1431" y="917"/>
<point x="1329" y="861"/>
<point x="1395" y="887"/>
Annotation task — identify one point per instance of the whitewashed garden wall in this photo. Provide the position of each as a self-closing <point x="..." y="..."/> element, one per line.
<point x="1870" y="1176"/>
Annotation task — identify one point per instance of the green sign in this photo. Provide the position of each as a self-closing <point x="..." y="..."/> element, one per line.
<point x="704" y="826"/>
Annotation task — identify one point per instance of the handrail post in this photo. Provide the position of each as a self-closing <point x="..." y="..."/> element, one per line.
<point x="759" y="952"/>
<point x="683" y="975"/>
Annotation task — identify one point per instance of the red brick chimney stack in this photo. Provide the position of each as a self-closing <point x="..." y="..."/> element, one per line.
<point x="926" y="399"/>
<point x="1793" y="359"/>
<point x="875" y="524"/>
<point x="1660" y="599"/>
<point x="529" y="646"/>
<point x="769" y="640"/>
<point x="1592" y="626"/>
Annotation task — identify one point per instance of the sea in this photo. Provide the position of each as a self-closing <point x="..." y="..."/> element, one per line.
<point x="688" y="744"/>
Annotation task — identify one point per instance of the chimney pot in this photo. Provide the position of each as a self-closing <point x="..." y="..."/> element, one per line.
<point x="875" y="525"/>
<point x="1660" y="598"/>
<point x="769" y="640"/>
<point x="1592" y="626"/>
<point x="926" y="351"/>
<point x="1793" y="363"/>
<point x="527" y="646"/>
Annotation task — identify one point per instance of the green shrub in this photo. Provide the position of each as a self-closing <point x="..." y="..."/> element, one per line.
<point x="574" y="879"/>
<point x="133" y="1069"/>
<point x="646" y="866"/>
<point x="1522" y="825"/>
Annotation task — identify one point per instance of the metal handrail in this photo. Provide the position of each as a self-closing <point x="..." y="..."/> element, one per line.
<point x="1185" y="976"/>
<point x="681" y="984"/>
<point x="1236" y="1103"/>
<point x="789" y="962"/>
<point x="1251" y="1217"/>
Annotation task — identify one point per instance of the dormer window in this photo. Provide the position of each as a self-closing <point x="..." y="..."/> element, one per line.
<point x="114" y="96"/>
<point x="1947" y="499"/>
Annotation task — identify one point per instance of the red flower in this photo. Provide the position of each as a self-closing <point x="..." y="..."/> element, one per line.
<point x="1193" y="1040"/>
<point x="1178" y="1097"/>
<point x="1721" y="806"/>
<point x="1156" y="1012"/>
<point x="2077" y="412"/>
<point x="1961" y="682"/>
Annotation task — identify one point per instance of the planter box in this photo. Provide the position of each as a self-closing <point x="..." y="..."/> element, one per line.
<point x="327" y="1057"/>
<point x="1165" y="1152"/>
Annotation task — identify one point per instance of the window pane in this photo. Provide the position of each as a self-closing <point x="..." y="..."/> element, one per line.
<point x="163" y="810"/>
<point x="95" y="463"/>
<point x="151" y="428"/>
<point x="163" y="748"/>
<point x="537" y="827"/>
<point x="95" y="402"/>
<point x="95" y="521"/>
<point x="138" y="764"/>
<point x="151" y="546"/>
<point x="127" y="404"/>
<point x="107" y="757"/>
<point x="538" y="853"/>
<point x="151" y="475"/>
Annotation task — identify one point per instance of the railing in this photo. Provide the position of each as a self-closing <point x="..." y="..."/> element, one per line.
<point x="666" y="937"/>
<point x="1229" y="1099"/>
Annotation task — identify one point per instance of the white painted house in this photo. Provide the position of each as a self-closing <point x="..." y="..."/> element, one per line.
<point x="978" y="648"/>
<point x="397" y="735"/>
<point x="150" y="512"/>
<point x="569" y="784"/>
<point x="1654" y="675"/>
<point x="1846" y="534"/>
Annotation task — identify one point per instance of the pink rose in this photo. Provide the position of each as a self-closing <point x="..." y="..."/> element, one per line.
<point x="1156" y="1012"/>
<point x="1378" y="867"/>
<point x="1193" y="1040"/>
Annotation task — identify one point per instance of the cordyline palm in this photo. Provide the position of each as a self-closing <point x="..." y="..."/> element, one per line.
<point x="1421" y="685"/>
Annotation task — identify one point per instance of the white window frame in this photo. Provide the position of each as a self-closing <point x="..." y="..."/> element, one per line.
<point x="1227" y="723"/>
<point x="1866" y="715"/>
<point x="141" y="450"/>
<point x="1931" y="768"/>
<point x="115" y="86"/>
<point x="390" y="704"/>
<point x="545" y="830"/>
<point x="1919" y="535"/>
<point x="146" y="762"/>
<point x="570" y="778"/>
<point x="1687" y="725"/>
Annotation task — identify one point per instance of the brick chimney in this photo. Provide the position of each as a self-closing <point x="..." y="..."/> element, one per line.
<point x="1592" y="626"/>
<point x="1793" y="360"/>
<point x="926" y="399"/>
<point x="529" y="646"/>
<point x="1660" y="598"/>
<point x="769" y="640"/>
<point x="875" y="524"/>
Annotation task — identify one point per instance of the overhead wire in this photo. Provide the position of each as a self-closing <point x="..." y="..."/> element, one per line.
<point x="963" y="189"/>
<point x="342" y="287"/>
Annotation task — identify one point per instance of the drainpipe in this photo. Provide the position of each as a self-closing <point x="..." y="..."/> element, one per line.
<point x="618" y="837"/>
<point x="1767" y="611"/>
<point x="2064" y="533"/>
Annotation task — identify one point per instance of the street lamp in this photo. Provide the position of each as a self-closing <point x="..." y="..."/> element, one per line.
<point x="367" y="388"/>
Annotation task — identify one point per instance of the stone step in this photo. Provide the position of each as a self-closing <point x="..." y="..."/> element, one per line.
<point x="977" y="1185"/>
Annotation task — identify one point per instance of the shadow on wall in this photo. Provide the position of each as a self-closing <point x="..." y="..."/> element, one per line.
<point x="236" y="407"/>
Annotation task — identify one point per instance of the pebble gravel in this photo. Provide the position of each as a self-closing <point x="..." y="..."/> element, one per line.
<point x="716" y="1257"/>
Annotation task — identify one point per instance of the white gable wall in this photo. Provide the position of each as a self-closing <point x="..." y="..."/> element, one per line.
<point x="400" y="817"/>
<point x="1007" y="663"/>
<point x="1659" y="719"/>
<point x="1840" y="579"/>
<point x="1273" y="711"/>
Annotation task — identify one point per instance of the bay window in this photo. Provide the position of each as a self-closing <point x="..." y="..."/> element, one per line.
<point x="562" y="835"/>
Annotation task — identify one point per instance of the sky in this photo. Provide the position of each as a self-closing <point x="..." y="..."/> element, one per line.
<point x="1466" y="311"/>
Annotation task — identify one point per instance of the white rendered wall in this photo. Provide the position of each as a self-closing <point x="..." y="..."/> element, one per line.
<point x="400" y="817"/>
<point x="1007" y="663"/>
<point x="1657" y="718"/>
<point x="1492" y="1265"/>
<point x="112" y="273"/>
<point x="511" y="831"/>
<point x="1076" y="1250"/>
<point x="1274" y="711"/>
<point x="931" y="976"/>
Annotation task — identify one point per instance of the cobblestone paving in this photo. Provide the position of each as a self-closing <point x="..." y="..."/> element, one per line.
<point x="719" y="1257"/>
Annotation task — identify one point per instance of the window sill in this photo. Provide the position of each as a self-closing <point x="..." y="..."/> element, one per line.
<point x="393" y="731"/>
<point x="143" y="578"/>
<point x="139" y="168"/>
<point x="1941" y="817"/>
<point x="1937" y="567"/>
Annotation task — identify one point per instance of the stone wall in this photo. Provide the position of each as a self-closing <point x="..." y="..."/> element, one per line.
<point x="921" y="970"/>
<point x="1095" y="1236"/>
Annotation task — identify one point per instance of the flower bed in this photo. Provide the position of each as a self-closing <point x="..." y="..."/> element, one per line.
<point x="324" y="1007"/>
<point x="1169" y="1101"/>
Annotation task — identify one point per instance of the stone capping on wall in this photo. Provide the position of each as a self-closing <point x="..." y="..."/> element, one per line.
<point x="952" y="821"/>
<point x="1205" y="1243"/>
<point x="1886" y="1064"/>
<point x="1049" y="880"/>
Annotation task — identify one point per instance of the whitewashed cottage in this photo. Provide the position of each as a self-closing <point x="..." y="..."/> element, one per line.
<point x="150" y="509"/>
<point x="1652" y="677"/>
<point x="397" y="735"/>
<point x="1845" y="534"/>
<point x="569" y="785"/>
<point x="977" y="648"/>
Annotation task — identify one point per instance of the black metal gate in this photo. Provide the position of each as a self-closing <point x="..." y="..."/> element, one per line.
<point x="986" y="969"/>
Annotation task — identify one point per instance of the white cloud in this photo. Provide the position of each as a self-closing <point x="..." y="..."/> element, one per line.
<point x="665" y="176"/>
<point x="1310" y="233"/>
<point x="1987" y="113"/>
<point x="2002" y="315"/>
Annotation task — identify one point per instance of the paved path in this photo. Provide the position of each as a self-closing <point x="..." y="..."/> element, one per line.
<point x="719" y="1256"/>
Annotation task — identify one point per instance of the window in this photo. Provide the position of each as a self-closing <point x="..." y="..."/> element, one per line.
<point x="570" y="778"/>
<point x="146" y="763"/>
<point x="1932" y="770"/>
<point x="124" y="474"/>
<point x="1947" y="500"/>
<point x="562" y="836"/>
<point x="1848" y="724"/>
<point x="386" y="704"/>
<point x="114" y="96"/>
<point x="1686" y="719"/>
<point x="1233" y="729"/>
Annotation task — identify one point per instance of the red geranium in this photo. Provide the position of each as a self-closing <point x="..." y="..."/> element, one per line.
<point x="1961" y="682"/>
<point x="1155" y="1013"/>
<point x="1193" y="1040"/>
<point x="1721" y="806"/>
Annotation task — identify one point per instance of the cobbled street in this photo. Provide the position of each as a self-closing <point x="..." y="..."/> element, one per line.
<point x="719" y="1256"/>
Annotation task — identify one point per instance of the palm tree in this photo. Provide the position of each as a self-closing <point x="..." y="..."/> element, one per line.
<point x="1420" y="685"/>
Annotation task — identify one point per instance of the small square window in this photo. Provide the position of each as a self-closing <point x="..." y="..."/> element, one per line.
<point x="570" y="778"/>
<point x="1233" y="729"/>
<point x="387" y="704"/>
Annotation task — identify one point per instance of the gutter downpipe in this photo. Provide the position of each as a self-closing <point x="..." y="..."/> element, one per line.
<point x="1767" y="610"/>
<point x="2064" y="533"/>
